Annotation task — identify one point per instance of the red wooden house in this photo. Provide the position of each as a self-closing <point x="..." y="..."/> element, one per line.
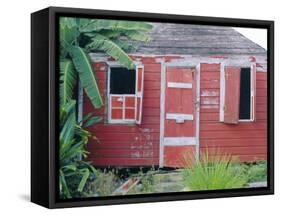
<point x="194" y="87"/>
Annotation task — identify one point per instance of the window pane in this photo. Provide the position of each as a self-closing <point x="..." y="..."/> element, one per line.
<point x="245" y="93"/>
<point x="122" y="81"/>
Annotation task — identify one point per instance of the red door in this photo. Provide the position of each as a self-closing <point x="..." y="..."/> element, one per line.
<point x="179" y="139"/>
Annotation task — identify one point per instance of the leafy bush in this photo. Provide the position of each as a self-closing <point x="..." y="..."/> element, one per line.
<point x="257" y="171"/>
<point x="103" y="183"/>
<point x="74" y="171"/>
<point x="147" y="183"/>
<point x="211" y="173"/>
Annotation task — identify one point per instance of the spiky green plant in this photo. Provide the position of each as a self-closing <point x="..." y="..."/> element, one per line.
<point x="73" y="172"/>
<point x="213" y="172"/>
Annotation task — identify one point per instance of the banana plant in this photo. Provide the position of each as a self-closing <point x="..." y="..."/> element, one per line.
<point x="73" y="139"/>
<point x="78" y="37"/>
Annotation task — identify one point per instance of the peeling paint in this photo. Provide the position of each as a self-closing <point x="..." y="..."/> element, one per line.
<point x="209" y="106"/>
<point x="209" y="93"/>
<point x="210" y="101"/>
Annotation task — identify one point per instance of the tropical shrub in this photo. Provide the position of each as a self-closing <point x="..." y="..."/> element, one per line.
<point x="147" y="182"/>
<point x="218" y="171"/>
<point x="257" y="171"/>
<point x="103" y="183"/>
<point x="73" y="170"/>
<point x="78" y="37"/>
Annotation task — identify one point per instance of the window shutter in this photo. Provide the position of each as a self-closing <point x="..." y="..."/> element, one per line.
<point x="139" y="92"/>
<point x="232" y="95"/>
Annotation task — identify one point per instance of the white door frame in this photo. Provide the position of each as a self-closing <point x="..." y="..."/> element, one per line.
<point x="162" y="105"/>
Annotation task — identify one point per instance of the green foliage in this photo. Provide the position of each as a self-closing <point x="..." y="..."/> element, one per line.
<point x="148" y="182"/>
<point x="104" y="184"/>
<point x="75" y="36"/>
<point x="257" y="171"/>
<point x="73" y="172"/>
<point x="96" y="25"/>
<point x="102" y="43"/>
<point x="80" y="36"/>
<point x="212" y="173"/>
<point x="67" y="81"/>
<point x="87" y="78"/>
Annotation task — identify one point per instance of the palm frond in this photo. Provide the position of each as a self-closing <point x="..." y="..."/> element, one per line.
<point x="68" y="31"/>
<point x="67" y="81"/>
<point x="125" y="45"/>
<point x="137" y="35"/>
<point x="68" y="126"/>
<point x="102" y="43"/>
<point x="86" y="75"/>
<point x="98" y="25"/>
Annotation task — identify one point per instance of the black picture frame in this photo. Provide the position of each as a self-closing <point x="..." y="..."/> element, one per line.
<point x="44" y="106"/>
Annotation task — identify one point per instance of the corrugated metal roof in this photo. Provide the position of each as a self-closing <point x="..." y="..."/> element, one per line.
<point x="185" y="39"/>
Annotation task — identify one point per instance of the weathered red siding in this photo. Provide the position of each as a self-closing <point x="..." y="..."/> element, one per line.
<point x="138" y="145"/>
<point x="247" y="140"/>
<point x="128" y="145"/>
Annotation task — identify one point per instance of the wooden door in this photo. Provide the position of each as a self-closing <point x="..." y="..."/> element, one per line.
<point x="180" y="115"/>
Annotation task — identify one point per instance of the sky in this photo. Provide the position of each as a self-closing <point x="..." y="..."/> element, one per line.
<point x="259" y="36"/>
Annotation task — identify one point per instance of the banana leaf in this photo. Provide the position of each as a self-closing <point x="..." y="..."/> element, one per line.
<point x="86" y="75"/>
<point x="67" y="81"/>
<point x="102" y="43"/>
<point x="98" y="25"/>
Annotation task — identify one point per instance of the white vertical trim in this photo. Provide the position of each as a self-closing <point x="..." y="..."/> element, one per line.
<point x="253" y="90"/>
<point x="139" y="94"/>
<point x="162" y="114"/>
<point x="197" y="107"/>
<point x="136" y="90"/>
<point x="109" y="99"/>
<point x="222" y="91"/>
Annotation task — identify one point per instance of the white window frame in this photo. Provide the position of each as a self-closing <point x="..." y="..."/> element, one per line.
<point x="123" y="120"/>
<point x="250" y="65"/>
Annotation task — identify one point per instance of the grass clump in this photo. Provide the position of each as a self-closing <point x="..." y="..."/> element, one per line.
<point x="218" y="171"/>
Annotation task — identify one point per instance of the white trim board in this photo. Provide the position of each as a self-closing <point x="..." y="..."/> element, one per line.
<point x="179" y="116"/>
<point x="197" y="132"/>
<point x="222" y="91"/>
<point x="179" y="141"/>
<point x="179" y="85"/>
<point x="162" y="114"/>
